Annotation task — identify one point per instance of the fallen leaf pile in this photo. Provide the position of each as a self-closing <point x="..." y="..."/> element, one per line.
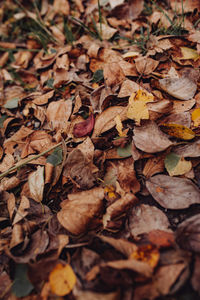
<point x="100" y="149"/>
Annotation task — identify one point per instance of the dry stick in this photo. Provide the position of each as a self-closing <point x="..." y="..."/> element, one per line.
<point x="18" y="165"/>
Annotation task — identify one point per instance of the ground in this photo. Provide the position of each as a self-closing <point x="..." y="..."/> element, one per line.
<point x="100" y="149"/>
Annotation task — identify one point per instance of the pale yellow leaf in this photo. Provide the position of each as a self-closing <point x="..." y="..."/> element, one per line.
<point x="137" y="109"/>
<point x="36" y="184"/>
<point x="119" y="126"/>
<point x="182" y="167"/>
<point x="189" y="53"/>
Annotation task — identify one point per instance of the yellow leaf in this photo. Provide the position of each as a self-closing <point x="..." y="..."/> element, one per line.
<point x="178" y="131"/>
<point x="147" y="253"/>
<point x="196" y="117"/>
<point x="182" y="167"/>
<point x="119" y="126"/>
<point x="62" y="280"/>
<point x="189" y="53"/>
<point x="137" y="109"/>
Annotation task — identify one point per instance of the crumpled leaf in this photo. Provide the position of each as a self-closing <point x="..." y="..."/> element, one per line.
<point x="119" y="127"/>
<point x="22" y="285"/>
<point x="137" y="108"/>
<point x="145" y="65"/>
<point x="173" y="192"/>
<point x="178" y="131"/>
<point x="148" y="142"/>
<point x="62" y="279"/>
<point x="36" y="184"/>
<point x="145" y="218"/>
<point x="79" y="169"/>
<point x="83" y="128"/>
<point x="177" y="165"/>
<point x="196" y="117"/>
<point x="181" y="88"/>
<point x="79" y="210"/>
<point x="188" y="234"/>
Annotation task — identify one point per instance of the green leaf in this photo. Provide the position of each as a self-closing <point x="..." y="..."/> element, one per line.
<point x="171" y="160"/>
<point x="21" y="286"/>
<point x="55" y="158"/>
<point x="13" y="103"/>
<point x="126" y="151"/>
<point x="97" y="76"/>
<point x="49" y="83"/>
<point x="2" y="119"/>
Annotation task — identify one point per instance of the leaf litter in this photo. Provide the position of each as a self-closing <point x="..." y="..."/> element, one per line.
<point x="99" y="144"/>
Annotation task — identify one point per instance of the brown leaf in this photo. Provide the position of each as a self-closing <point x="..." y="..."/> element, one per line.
<point x="145" y="65"/>
<point x="127" y="177"/>
<point x="130" y="10"/>
<point x="85" y="127"/>
<point x="188" y="234"/>
<point x="189" y="150"/>
<point x="8" y="162"/>
<point x="163" y="282"/>
<point x="22" y="210"/>
<point x="181" y="88"/>
<point x="145" y="218"/>
<point x="154" y="165"/>
<point x="43" y="99"/>
<point x="113" y="74"/>
<point x="58" y="114"/>
<point x="36" y="184"/>
<point x="196" y="273"/>
<point x="173" y="192"/>
<point x="80" y="209"/>
<point x="119" y="207"/>
<point x="105" y="120"/>
<point x="189" y="5"/>
<point x="148" y="142"/>
<point x="78" y="169"/>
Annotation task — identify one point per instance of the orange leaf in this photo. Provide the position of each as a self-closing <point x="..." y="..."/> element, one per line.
<point x="62" y="280"/>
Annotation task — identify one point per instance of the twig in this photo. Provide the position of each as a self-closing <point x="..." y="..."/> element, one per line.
<point x="19" y="165"/>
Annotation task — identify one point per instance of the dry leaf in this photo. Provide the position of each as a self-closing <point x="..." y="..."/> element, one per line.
<point x="106" y="120"/>
<point x="173" y="192"/>
<point x="79" y="210"/>
<point x="148" y="142"/>
<point x="145" y="65"/>
<point x="137" y="109"/>
<point x="43" y="99"/>
<point x="58" y="114"/>
<point x="178" y="131"/>
<point x="181" y="88"/>
<point x="144" y="219"/>
<point x="189" y="150"/>
<point x="36" y="184"/>
<point x="187" y="234"/>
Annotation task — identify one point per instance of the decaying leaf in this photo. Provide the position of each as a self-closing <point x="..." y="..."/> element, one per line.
<point x="189" y="150"/>
<point x="79" y="210"/>
<point x="148" y="142"/>
<point x="173" y="192"/>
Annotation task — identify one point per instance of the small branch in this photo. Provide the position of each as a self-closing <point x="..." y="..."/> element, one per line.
<point x="25" y="162"/>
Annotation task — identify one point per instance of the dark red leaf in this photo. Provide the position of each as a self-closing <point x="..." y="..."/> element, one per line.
<point x="84" y="128"/>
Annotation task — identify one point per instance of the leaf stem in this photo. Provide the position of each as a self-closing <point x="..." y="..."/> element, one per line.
<point x="25" y="162"/>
